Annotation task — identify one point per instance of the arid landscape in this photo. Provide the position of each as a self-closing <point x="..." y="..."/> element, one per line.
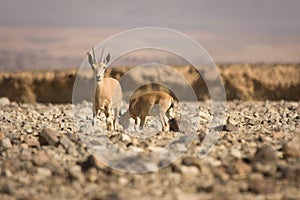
<point x="240" y="141"/>
<point x="257" y="155"/>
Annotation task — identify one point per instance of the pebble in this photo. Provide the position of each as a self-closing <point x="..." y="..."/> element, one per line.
<point x="26" y="155"/>
<point x="220" y="172"/>
<point x="190" y="161"/>
<point x="292" y="148"/>
<point x="291" y="173"/>
<point x="229" y="126"/>
<point x="213" y="162"/>
<point x="5" y="143"/>
<point x="236" y="153"/>
<point x="42" y="174"/>
<point x="76" y="173"/>
<point x="2" y="135"/>
<point x="123" y="181"/>
<point x="242" y="168"/>
<point x="4" y="101"/>
<point x="48" y="137"/>
<point x="91" y="174"/>
<point x="66" y="142"/>
<point x="126" y="138"/>
<point x="265" y="160"/>
<point x="260" y="184"/>
<point x="32" y="141"/>
<point x="41" y="158"/>
<point x="189" y="170"/>
<point x="91" y="161"/>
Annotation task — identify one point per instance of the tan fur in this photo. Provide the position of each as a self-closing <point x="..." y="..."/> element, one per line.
<point x="140" y="107"/>
<point x="108" y="96"/>
<point x="108" y="92"/>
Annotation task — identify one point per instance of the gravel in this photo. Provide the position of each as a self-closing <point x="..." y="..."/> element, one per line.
<point x="256" y="156"/>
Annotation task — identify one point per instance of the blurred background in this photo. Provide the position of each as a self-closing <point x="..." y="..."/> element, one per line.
<point x="40" y="34"/>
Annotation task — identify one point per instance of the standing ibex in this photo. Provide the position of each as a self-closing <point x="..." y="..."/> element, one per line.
<point x="142" y="105"/>
<point x="108" y="92"/>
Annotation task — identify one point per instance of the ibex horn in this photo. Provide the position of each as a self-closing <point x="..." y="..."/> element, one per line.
<point x="95" y="61"/>
<point x="102" y="54"/>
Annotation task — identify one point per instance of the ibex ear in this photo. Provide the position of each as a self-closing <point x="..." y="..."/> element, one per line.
<point x="90" y="58"/>
<point x="107" y="59"/>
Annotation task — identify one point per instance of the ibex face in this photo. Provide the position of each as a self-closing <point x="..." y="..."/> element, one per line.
<point x="98" y="67"/>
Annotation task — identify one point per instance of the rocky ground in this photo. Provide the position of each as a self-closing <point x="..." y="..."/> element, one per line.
<point x="256" y="156"/>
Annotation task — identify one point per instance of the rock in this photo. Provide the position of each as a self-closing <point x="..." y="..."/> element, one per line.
<point x="5" y="143"/>
<point x="206" y="179"/>
<point x="2" y="135"/>
<point x="48" y="137"/>
<point x="136" y="149"/>
<point x="91" y="161"/>
<point x="291" y="193"/>
<point x="220" y="172"/>
<point x="66" y="142"/>
<point x="32" y="141"/>
<point x="190" y="161"/>
<point x="26" y="155"/>
<point x="72" y="151"/>
<point x="76" y="173"/>
<point x="292" y="173"/>
<point x="260" y="184"/>
<point x="236" y="153"/>
<point x="242" y="168"/>
<point x="12" y="165"/>
<point x="42" y="174"/>
<point x="213" y="162"/>
<point x="41" y="158"/>
<point x="126" y="138"/>
<point x="15" y="138"/>
<point x="123" y="181"/>
<point x="91" y="174"/>
<point x="265" y="160"/>
<point x="292" y="148"/>
<point x="229" y="126"/>
<point x="73" y="137"/>
<point x="189" y="170"/>
<point x="4" y="101"/>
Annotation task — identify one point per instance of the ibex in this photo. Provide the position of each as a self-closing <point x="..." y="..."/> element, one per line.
<point x="108" y="92"/>
<point x="141" y="106"/>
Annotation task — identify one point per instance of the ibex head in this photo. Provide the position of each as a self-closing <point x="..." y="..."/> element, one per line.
<point x="98" y="67"/>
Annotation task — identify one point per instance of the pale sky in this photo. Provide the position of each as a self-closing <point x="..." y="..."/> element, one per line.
<point x="249" y="27"/>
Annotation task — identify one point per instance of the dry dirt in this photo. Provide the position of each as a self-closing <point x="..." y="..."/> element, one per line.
<point x="244" y="82"/>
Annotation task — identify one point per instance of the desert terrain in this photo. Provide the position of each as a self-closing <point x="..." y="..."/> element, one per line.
<point x="256" y="156"/>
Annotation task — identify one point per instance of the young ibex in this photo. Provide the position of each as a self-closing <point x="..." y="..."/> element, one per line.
<point x="140" y="107"/>
<point x="108" y="92"/>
